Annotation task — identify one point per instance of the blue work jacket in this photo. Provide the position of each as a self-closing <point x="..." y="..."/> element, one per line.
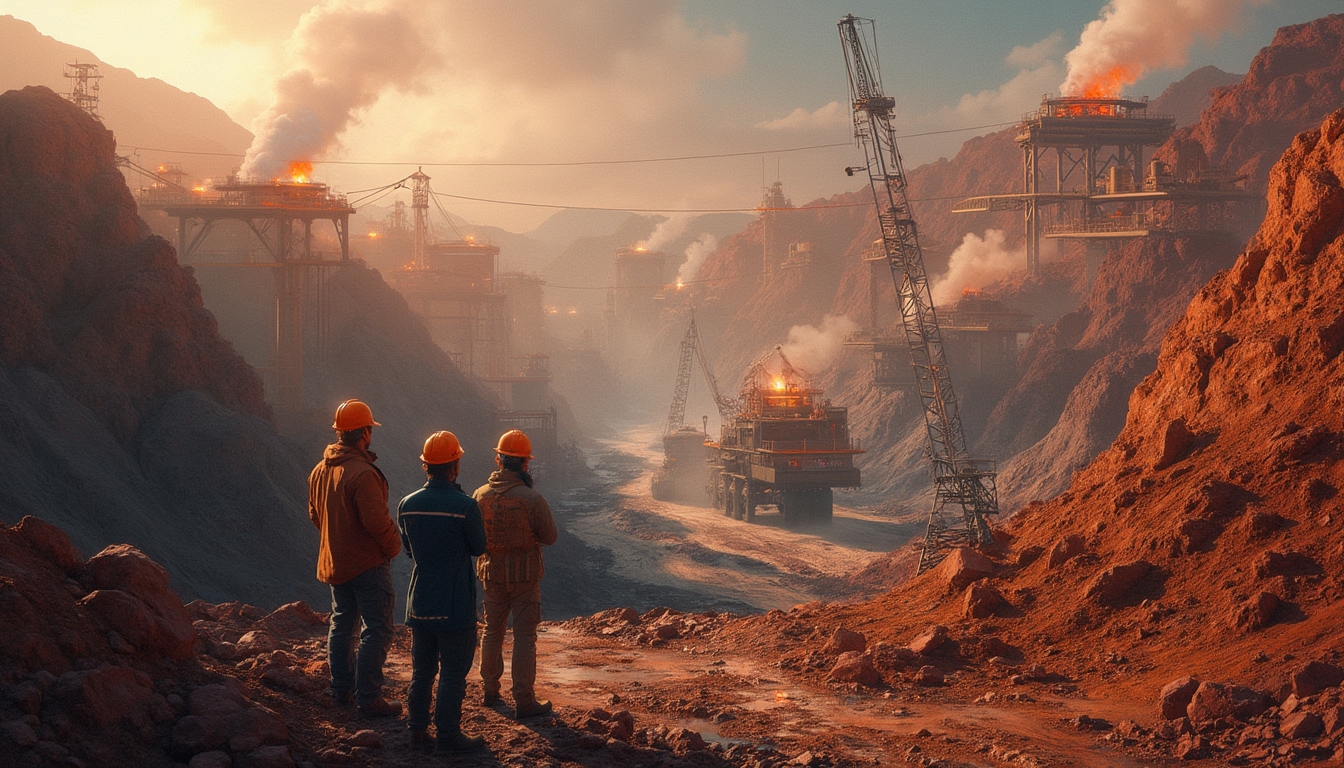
<point x="442" y="532"/>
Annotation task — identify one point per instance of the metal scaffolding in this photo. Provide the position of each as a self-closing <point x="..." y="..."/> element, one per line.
<point x="280" y="216"/>
<point x="1085" y="176"/>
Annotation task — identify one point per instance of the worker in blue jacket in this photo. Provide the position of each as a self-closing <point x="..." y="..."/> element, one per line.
<point x="442" y="531"/>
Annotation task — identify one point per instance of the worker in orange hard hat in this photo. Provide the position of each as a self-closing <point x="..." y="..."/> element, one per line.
<point x="518" y="523"/>
<point x="442" y="531"/>
<point x="347" y="502"/>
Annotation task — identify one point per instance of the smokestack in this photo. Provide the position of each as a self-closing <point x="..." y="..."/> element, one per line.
<point x="1133" y="37"/>
<point x="344" y="58"/>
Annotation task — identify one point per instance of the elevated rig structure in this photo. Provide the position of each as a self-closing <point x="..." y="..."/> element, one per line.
<point x="280" y="214"/>
<point x="1085" y="177"/>
<point x="965" y="490"/>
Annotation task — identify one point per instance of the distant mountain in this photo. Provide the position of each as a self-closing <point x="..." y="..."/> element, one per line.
<point x="1293" y="83"/>
<point x="141" y="112"/>
<point x="1186" y="98"/>
<point x="564" y="227"/>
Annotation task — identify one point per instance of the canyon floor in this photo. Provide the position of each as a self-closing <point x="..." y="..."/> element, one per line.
<point x="692" y="699"/>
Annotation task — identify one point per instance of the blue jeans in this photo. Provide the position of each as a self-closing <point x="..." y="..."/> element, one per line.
<point x="369" y="596"/>
<point x="447" y="653"/>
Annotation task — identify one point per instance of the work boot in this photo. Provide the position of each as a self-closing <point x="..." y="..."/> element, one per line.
<point x="381" y="707"/>
<point x="342" y="697"/>
<point x="421" y="742"/>
<point x="458" y="742"/>
<point x="491" y="699"/>
<point x="533" y="708"/>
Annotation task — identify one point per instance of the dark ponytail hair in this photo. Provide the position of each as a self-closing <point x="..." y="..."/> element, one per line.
<point x="515" y="464"/>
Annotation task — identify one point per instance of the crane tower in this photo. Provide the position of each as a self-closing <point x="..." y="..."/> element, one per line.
<point x="960" y="482"/>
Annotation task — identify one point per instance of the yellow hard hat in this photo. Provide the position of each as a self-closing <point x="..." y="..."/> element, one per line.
<point x="442" y="448"/>
<point x="353" y="414"/>
<point x="514" y="443"/>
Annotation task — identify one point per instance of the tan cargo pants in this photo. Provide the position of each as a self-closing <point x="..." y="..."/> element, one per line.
<point x="523" y="601"/>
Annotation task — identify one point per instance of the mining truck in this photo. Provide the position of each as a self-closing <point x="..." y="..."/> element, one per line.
<point x="686" y="459"/>
<point x="785" y="446"/>
<point x="687" y="452"/>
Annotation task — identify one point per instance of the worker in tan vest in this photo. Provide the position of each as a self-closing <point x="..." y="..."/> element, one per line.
<point x="518" y="524"/>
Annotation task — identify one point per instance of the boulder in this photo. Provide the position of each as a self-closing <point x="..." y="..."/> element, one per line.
<point x="1192" y="747"/>
<point x="1214" y="700"/>
<point x="685" y="740"/>
<point x="844" y="641"/>
<point x="218" y="700"/>
<point x="291" y="619"/>
<point x="1175" y="697"/>
<point x="1262" y="524"/>
<point x="1332" y="721"/>
<point x="106" y="695"/>
<point x="1315" y="677"/>
<point x="128" y="616"/>
<point x="1257" y="612"/>
<point x="1300" y="725"/>
<point x="1110" y="586"/>
<point x="928" y="675"/>
<point x="855" y="667"/>
<point x="622" y="725"/>
<point x="929" y="640"/>
<point x="51" y="541"/>
<point x="255" y="642"/>
<point x="981" y="601"/>
<point x="221" y="714"/>
<point x="125" y="568"/>
<point x="961" y="567"/>
<point x="1195" y="533"/>
<point x="1270" y="564"/>
<point x="1177" y="440"/>
<point x="1066" y="549"/>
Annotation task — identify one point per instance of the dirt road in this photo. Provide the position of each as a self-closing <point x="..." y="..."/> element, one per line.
<point x="699" y="557"/>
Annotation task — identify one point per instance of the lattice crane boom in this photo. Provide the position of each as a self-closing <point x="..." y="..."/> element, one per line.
<point x="690" y="352"/>
<point x="959" y="480"/>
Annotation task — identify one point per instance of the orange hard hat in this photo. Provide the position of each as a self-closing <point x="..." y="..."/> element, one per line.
<point x="353" y="414"/>
<point x="442" y="448"/>
<point x="514" y="443"/>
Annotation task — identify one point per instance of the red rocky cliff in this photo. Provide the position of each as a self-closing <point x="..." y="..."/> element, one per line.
<point x="85" y="294"/>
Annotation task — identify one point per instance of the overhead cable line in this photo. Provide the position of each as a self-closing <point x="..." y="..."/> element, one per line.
<point x="572" y="163"/>
<point x="676" y="210"/>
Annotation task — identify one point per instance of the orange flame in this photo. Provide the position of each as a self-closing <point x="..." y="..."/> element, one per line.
<point x="1108" y="86"/>
<point x="300" y="171"/>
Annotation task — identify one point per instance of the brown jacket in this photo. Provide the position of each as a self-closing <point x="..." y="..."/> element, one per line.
<point x="518" y="524"/>
<point x="347" y="502"/>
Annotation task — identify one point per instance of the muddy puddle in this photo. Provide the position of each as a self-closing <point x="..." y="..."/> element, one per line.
<point x="770" y="710"/>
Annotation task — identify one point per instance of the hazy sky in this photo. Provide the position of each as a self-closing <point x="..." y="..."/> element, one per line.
<point x="546" y="81"/>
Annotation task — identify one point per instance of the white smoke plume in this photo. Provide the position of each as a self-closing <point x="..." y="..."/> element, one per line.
<point x="696" y="253"/>
<point x="977" y="262"/>
<point x="1133" y="37"/>
<point x="812" y="348"/>
<point x="668" y="229"/>
<point x="344" y="59"/>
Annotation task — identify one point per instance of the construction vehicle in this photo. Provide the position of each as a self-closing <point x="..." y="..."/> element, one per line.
<point x="784" y="446"/>
<point x="961" y="483"/>
<point x="686" y="450"/>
